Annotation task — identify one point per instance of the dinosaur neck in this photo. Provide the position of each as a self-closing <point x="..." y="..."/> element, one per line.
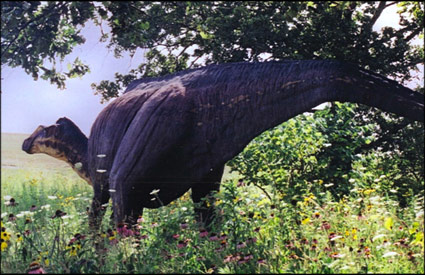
<point x="256" y="97"/>
<point x="73" y="152"/>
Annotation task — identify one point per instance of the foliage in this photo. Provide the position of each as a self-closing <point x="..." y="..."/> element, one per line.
<point x="198" y="33"/>
<point x="324" y="152"/>
<point x="365" y="232"/>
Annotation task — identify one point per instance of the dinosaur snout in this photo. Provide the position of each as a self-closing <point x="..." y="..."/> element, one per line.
<point x="27" y="145"/>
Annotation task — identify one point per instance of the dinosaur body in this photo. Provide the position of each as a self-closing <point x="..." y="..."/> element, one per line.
<point x="175" y="133"/>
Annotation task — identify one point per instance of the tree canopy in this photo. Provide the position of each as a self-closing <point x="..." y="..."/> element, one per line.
<point x="178" y="35"/>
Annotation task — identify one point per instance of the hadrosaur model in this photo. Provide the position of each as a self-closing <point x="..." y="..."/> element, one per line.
<point x="169" y="134"/>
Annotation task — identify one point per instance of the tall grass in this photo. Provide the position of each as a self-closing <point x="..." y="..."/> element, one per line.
<point x="364" y="232"/>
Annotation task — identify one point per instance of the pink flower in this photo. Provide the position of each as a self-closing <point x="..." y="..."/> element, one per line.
<point x="184" y="225"/>
<point x="203" y="233"/>
<point x="181" y="244"/>
<point x="35" y="268"/>
<point x="144" y="237"/>
<point x="214" y="237"/>
<point x="240" y="245"/>
<point x="124" y="231"/>
<point x="251" y="240"/>
<point x="326" y="225"/>
<point x="261" y="261"/>
<point x="176" y="236"/>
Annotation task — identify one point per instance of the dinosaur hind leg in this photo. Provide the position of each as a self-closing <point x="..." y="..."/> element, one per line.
<point x="202" y="196"/>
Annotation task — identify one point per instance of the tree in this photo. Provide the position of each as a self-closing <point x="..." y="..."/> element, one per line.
<point x="181" y="35"/>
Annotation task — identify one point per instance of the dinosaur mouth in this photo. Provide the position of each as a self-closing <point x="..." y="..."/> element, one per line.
<point x="27" y="145"/>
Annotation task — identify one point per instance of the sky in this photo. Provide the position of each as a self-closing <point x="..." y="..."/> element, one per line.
<point x="26" y="103"/>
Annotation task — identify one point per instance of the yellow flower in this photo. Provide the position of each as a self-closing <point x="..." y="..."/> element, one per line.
<point x="305" y="221"/>
<point x="368" y="191"/>
<point x="3" y="245"/>
<point x="18" y="237"/>
<point x="5" y="236"/>
<point x="347" y="233"/>
<point x="73" y="251"/>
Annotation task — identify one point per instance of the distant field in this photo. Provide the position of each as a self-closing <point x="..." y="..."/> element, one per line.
<point x="12" y="155"/>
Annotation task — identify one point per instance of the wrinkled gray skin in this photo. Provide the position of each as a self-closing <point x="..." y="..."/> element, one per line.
<point x="175" y="133"/>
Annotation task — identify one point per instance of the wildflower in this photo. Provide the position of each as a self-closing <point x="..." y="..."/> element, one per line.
<point x="52" y="197"/>
<point x="261" y="261"/>
<point x="316" y="215"/>
<point x="390" y="254"/>
<point x="154" y="192"/>
<point x="4" y="244"/>
<point x="214" y="237"/>
<point x="5" y="235"/>
<point x="11" y="202"/>
<point x="176" y="236"/>
<point x="58" y="214"/>
<point x="305" y="221"/>
<point x="144" y="237"/>
<point x="140" y="219"/>
<point x="223" y="236"/>
<point x="184" y="225"/>
<point x="337" y="255"/>
<point x="228" y="259"/>
<point x="257" y="229"/>
<point x="18" y="237"/>
<point x="11" y="217"/>
<point x="304" y="241"/>
<point x="240" y="245"/>
<point x="251" y="240"/>
<point x="203" y="233"/>
<point x="154" y="224"/>
<point x="240" y="183"/>
<point x="28" y="220"/>
<point x="35" y="268"/>
<point x="326" y="225"/>
<point x="124" y="230"/>
<point x="27" y="232"/>
<point x="182" y="244"/>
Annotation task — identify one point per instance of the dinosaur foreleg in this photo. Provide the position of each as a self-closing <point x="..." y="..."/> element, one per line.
<point x="101" y="197"/>
<point x="202" y="196"/>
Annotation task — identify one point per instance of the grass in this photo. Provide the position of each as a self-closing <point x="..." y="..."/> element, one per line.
<point x="364" y="233"/>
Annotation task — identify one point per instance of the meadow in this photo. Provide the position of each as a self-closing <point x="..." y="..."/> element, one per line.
<point x="45" y="228"/>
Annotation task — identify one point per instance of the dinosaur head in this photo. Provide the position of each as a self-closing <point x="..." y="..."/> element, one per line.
<point x="56" y="140"/>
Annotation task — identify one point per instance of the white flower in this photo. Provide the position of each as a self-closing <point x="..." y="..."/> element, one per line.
<point x="3" y="215"/>
<point x="155" y="191"/>
<point x="329" y="185"/>
<point x="336" y="238"/>
<point x="47" y="206"/>
<point x="184" y="208"/>
<point x="52" y="197"/>
<point x="7" y="197"/>
<point x="390" y="254"/>
<point x="351" y="180"/>
<point x="378" y="237"/>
